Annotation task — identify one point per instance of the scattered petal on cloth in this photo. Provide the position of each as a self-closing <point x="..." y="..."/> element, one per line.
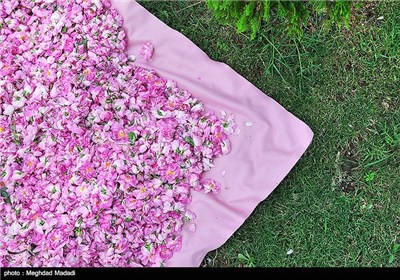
<point x="259" y="159"/>
<point x="132" y="58"/>
<point x="210" y="185"/>
<point x="192" y="227"/>
<point x="147" y="51"/>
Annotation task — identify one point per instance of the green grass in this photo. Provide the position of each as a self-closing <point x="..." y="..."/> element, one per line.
<point x="340" y="205"/>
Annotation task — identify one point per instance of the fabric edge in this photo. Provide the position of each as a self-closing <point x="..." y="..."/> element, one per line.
<point x="294" y="159"/>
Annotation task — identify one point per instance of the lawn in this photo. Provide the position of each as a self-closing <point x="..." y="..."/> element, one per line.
<point x="340" y="205"/>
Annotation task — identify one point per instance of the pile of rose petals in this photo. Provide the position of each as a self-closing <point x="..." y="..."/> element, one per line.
<point x="98" y="157"/>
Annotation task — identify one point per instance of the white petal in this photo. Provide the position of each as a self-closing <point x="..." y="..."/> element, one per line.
<point x="132" y="58"/>
<point x="14" y="229"/>
<point x="19" y="103"/>
<point x="8" y="109"/>
<point x="59" y="125"/>
<point x="237" y="131"/>
<point x="192" y="227"/>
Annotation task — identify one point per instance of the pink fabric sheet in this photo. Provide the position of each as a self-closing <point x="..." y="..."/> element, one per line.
<point x="262" y="154"/>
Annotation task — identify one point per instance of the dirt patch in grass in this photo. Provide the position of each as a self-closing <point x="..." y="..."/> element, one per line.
<point x="348" y="165"/>
<point x="211" y="260"/>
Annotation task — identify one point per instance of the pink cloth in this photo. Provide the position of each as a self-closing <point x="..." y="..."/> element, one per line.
<point x="269" y="144"/>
